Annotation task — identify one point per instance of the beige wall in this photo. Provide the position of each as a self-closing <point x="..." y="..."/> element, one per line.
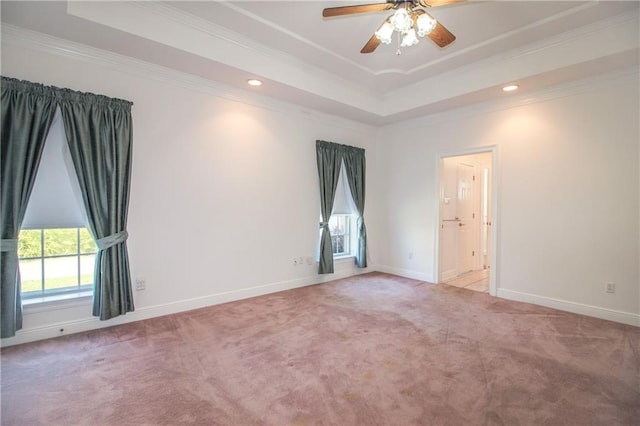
<point x="567" y="180"/>
<point x="224" y="191"/>
<point x="224" y="185"/>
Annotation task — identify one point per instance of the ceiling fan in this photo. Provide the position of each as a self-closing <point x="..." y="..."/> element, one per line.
<point x="409" y="20"/>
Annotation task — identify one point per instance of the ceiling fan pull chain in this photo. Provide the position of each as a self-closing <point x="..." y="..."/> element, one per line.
<point x="398" y="52"/>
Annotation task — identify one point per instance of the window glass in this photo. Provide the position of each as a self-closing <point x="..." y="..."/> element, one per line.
<point x="87" y="244"/>
<point x="31" y="275"/>
<point x="87" y="263"/>
<point x="60" y="241"/>
<point x="60" y="273"/>
<point x="55" y="261"/>
<point x="340" y="227"/>
<point x="29" y="243"/>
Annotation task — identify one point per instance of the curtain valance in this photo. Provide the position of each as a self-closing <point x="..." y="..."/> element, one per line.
<point x="63" y="94"/>
<point x="340" y="147"/>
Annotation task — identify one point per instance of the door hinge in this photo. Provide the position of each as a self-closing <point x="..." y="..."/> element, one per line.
<point x="473" y="215"/>
<point x="473" y="253"/>
<point x="474" y="178"/>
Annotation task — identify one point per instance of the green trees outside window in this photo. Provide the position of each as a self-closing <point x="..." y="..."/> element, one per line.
<point x="55" y="260"/>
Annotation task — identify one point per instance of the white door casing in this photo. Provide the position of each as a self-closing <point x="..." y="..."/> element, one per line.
<point x="446" y="258"/>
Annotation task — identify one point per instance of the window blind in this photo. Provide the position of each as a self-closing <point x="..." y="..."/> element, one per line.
<point x="343" y="202"/>
<point x="56" y="200"/>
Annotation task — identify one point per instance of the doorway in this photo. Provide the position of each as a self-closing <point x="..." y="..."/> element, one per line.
<point x="465" y="221"/>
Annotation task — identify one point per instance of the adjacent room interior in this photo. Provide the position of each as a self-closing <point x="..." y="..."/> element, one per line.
<point x="345" y="212"/>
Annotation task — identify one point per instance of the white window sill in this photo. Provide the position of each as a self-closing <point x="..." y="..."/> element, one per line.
<point x="57" y="301"/>
<point x="342" y="258"/>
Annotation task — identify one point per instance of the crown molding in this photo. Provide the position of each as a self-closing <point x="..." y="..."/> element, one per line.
<point x="190" y="20"/>
<point x="53" y="45"/>
<point x="43" y="43"/>
<point x="585" y="31"/>
<point x="585" y="47"/>
<point x="504" y="36"/>
<point x="166" y="25"/>
<point x="295" y="35"/>
<point x="559" y="91"/>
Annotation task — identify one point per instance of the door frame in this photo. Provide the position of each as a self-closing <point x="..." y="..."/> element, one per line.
<point x="493" y="262"/>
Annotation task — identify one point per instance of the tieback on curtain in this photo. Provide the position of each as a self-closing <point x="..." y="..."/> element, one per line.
<point x="9" y="245"/>
<point x="324" y="225"/>
<point x="362" y="230"/>
<point x="112" y="240"/>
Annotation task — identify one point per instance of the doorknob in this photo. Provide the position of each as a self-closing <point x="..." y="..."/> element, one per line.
<point x="461" y="224"/>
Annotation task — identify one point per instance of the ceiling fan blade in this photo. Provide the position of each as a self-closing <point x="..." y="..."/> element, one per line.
<point x="360" y="8"/>
<point x="436" y="3"/>
<point x="373" y="42"/>
<point x="371" y="45"/>
<point x="441" y="36"/>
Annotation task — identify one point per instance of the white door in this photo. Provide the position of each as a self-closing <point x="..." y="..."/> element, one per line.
<point x="466" y="217"/>
<point x="485" y="229"/>
<point x="449" y="217"/>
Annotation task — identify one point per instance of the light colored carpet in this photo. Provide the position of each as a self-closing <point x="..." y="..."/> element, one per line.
<point x="368" y="350"/>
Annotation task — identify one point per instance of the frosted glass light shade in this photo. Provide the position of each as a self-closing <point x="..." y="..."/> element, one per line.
<point x="401" y="20"/>
<point x="425" y="24"/>
<point x="409" y="38"/>
<point x="384" y="33"/>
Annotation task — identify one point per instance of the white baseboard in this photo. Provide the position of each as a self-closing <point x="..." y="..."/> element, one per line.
<point x="92" y="323"/>
<point x="407" y="273"/>
<point x="576" y="308"/>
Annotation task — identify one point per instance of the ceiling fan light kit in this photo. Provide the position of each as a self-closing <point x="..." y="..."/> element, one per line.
<point x="409" y="38"/>
<point x="425" y="23"/>
<point x="385" y="32"/>
<point x="403" y="21"/>
<point x="409" y="20"/>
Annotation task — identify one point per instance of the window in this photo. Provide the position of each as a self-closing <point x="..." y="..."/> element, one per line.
<point x="341" y="220"/>
<point x="340" y="227"/>
<point x="55" y="249"/>
<point x="55" y="261"/>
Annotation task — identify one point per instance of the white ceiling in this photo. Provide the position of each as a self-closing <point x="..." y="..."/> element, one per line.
<point x="316" y="62"/>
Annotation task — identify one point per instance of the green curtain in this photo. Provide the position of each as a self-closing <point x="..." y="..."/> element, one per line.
<point x="99" y="134"/>
<point x="355" y="167"/>
<point x="27" y="113"/>
<point x="329" y="162"/>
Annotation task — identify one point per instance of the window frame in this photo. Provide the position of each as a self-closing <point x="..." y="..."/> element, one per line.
<point x="347" y="234"/>
<point x="79" y="289"/>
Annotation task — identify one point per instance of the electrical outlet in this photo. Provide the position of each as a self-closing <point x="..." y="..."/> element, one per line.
<point x="141" y="283"/>
<point x="610" y="287"/>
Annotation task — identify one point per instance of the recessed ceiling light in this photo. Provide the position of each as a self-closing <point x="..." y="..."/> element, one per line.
<point x="510" y="88"/>
<point x="254" y="82"/>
